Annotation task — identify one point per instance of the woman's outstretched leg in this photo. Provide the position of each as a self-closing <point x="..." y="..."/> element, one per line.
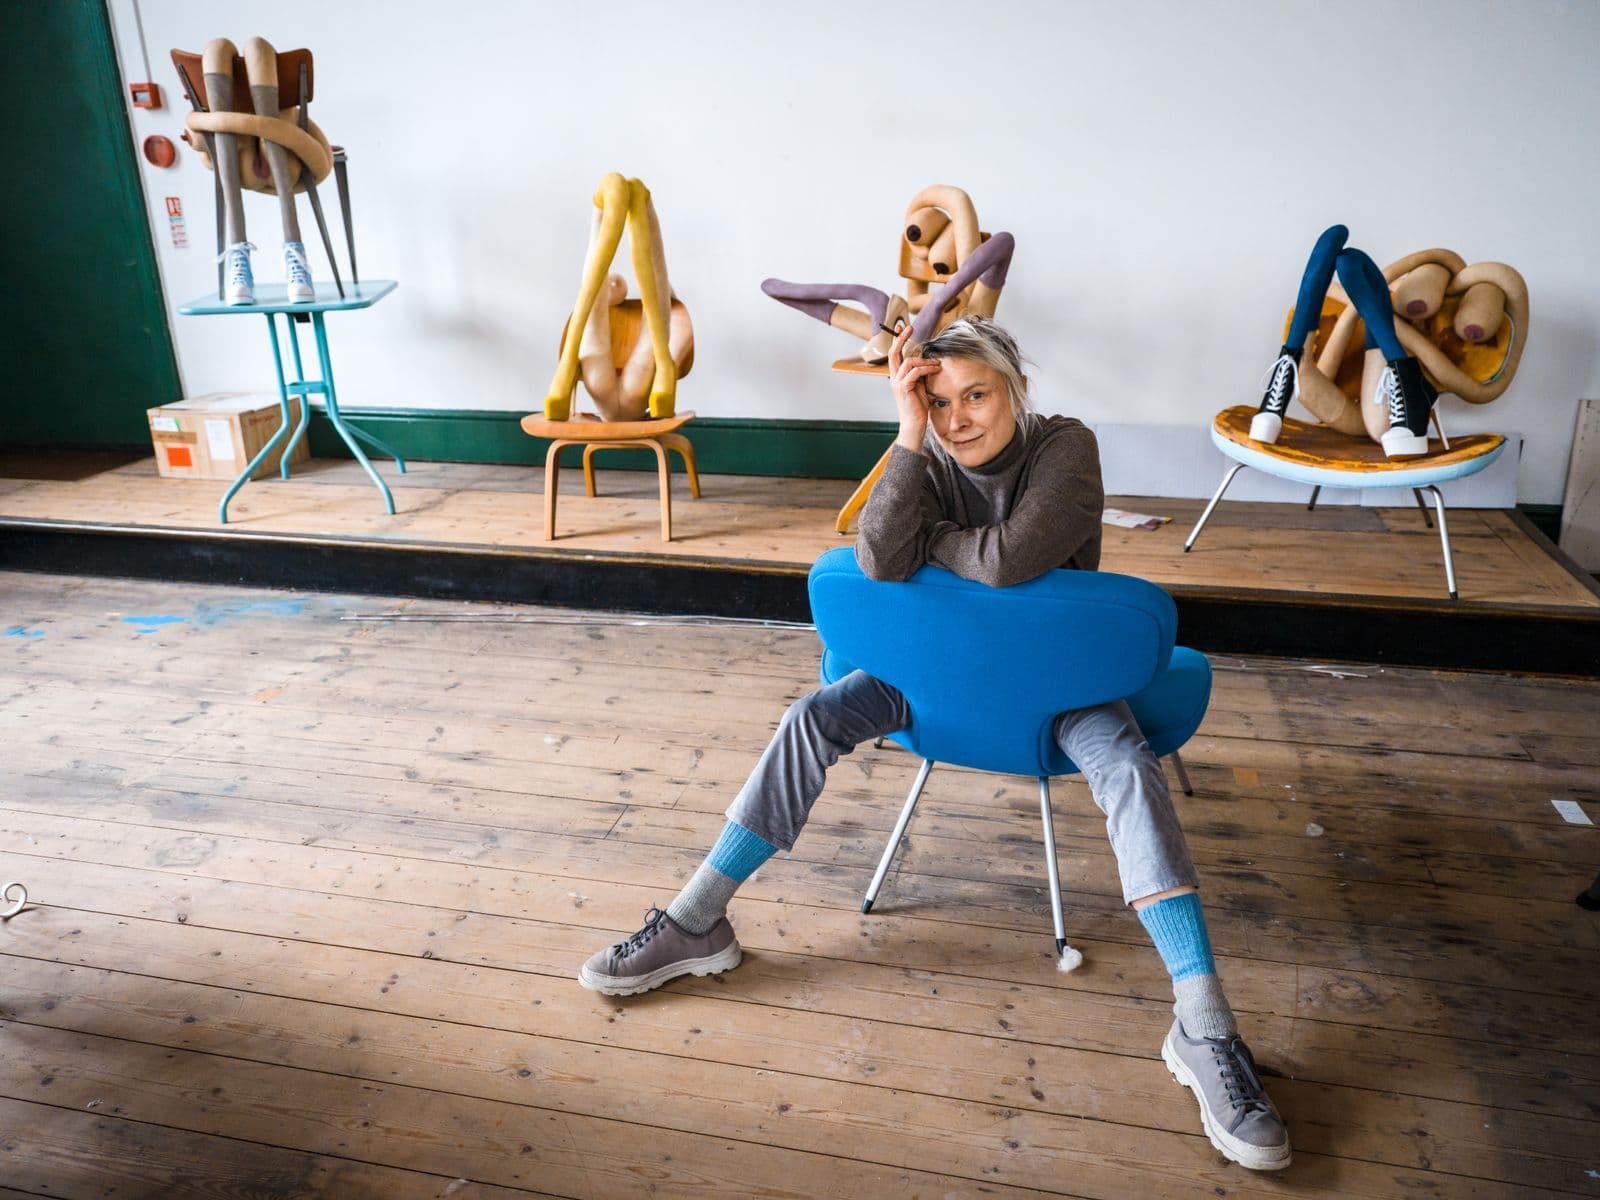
<point x="692" y="936"/>
<point x="1396" y="397"/>
<point x="1203" y="1048"/>
<point x="1284" y="383"/>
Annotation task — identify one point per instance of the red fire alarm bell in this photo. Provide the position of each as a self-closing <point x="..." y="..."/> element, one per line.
<point x="159" y="151"/>
<point x="145" y="95"/>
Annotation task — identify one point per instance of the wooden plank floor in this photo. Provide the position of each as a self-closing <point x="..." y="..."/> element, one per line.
<point x="309" y="893"/>
<point x="1338" y="550"/>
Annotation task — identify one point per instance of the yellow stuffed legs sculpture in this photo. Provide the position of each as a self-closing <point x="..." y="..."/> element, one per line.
<point x="629" y="354"/>
<point x="648" y="380"/>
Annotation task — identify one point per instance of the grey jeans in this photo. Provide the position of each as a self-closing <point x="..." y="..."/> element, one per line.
<point x="1125" y="778"/>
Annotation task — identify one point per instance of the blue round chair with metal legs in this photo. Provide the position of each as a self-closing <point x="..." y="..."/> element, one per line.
<point x="985" y="670"/>
<point x="1319" y="457"/>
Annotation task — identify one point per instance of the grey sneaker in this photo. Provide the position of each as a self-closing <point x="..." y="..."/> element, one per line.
<point x="659" y="952"/>
<point x="1239" y="1117"/>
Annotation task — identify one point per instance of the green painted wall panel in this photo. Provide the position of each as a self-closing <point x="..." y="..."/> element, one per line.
<point x="84" y="333"/>
<point x="722" y="445"/>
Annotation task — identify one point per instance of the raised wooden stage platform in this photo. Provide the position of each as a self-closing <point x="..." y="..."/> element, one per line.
<point x="1340" y="582"/>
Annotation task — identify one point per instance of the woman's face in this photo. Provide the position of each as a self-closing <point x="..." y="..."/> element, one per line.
<point x="969" y="410"/>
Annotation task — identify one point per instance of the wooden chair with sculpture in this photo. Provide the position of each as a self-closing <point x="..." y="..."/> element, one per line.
<point x="952" y="269"/>
<point x="1372" y="380"/>
<point x="629" y="355"/>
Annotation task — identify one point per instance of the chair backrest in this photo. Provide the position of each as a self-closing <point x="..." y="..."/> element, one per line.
<point x="986" y="670"/>
<point x="190" y="64"/>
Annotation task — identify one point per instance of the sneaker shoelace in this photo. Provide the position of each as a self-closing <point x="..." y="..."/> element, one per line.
<point x="653" y="921"/>
<point x="295" y="260"/>
<point x="1239" y="1077"/>
<point x="237" y="257"/>
<point x="1389" y="393"/>
<point x="1281" y="387"/>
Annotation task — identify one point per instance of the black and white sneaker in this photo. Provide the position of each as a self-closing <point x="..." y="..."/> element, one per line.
<point x="1408" y="397"/>
<point x="1282" y="387"/>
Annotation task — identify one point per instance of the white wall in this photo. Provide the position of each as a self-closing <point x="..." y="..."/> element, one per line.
<point x="1165" y="167"/>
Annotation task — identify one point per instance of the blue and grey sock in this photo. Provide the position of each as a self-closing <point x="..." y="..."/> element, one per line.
<point x="734" y="858"/>
<point x="1177" y="925"/>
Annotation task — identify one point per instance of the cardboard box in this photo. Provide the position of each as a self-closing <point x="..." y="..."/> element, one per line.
<point x="215" y="436"/>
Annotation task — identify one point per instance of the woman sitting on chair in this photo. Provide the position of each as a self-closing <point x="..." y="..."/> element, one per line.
<point x="979" y="484"/>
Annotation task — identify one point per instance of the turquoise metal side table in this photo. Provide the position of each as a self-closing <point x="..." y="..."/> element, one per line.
<point x="271" y="299"/>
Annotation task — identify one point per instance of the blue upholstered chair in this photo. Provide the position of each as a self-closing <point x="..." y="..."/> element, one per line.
<point x="985" y="670"/>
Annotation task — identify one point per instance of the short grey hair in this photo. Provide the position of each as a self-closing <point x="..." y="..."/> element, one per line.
<point x="981" y="340"/>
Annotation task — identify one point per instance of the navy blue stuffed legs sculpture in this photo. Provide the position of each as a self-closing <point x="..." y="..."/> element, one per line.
<point x="1400" y="387"/>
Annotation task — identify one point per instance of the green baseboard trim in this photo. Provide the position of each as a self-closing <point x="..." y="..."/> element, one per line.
<point x="1546" y="518"/>
<point x="722" y="445"/>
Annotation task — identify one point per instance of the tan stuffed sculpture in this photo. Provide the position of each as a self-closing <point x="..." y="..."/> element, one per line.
<point x="244" y="133"/>
<point x="943" y="254"/>
<point x="1461" y="331"/>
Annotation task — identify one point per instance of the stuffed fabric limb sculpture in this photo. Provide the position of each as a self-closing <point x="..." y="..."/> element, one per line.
<point x="253" y="143"/>
<point x="1361" y="371"/>
<point x="951" y="270"/>
<point x="647" y="380"/>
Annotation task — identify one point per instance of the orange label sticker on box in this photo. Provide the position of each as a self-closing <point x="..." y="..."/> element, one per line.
<point x="179" y="456"/>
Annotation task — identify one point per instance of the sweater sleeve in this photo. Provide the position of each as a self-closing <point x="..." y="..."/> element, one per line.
<point x="1056" y="515"/>
<point x="900" y="516"/>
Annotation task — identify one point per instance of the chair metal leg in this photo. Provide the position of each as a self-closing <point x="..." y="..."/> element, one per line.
<point x="1183" y="776"/>
<point x="322" y="226"/>
<point x="1423" y="505"/>
<point x="899" y="832"/>
<point x="341" y="177"/>
<point x="13" y="906"/>
<point x="1206" y="516"/>
<point x="216" y="194"/>
<point x="1311" y="504"/>
<point x="1444" y="539"/>
<point x="1050" y="864"/>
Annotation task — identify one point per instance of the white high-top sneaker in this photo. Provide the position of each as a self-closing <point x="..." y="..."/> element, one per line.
<point x="238" y="285"/>
<point x="297" y="271"/>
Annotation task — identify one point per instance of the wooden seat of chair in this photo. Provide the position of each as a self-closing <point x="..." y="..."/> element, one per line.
<point x="1320" y="455"/>
<point x="587" y="427"/>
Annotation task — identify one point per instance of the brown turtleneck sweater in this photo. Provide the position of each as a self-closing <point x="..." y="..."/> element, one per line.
<point x="1033" y="507"/>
